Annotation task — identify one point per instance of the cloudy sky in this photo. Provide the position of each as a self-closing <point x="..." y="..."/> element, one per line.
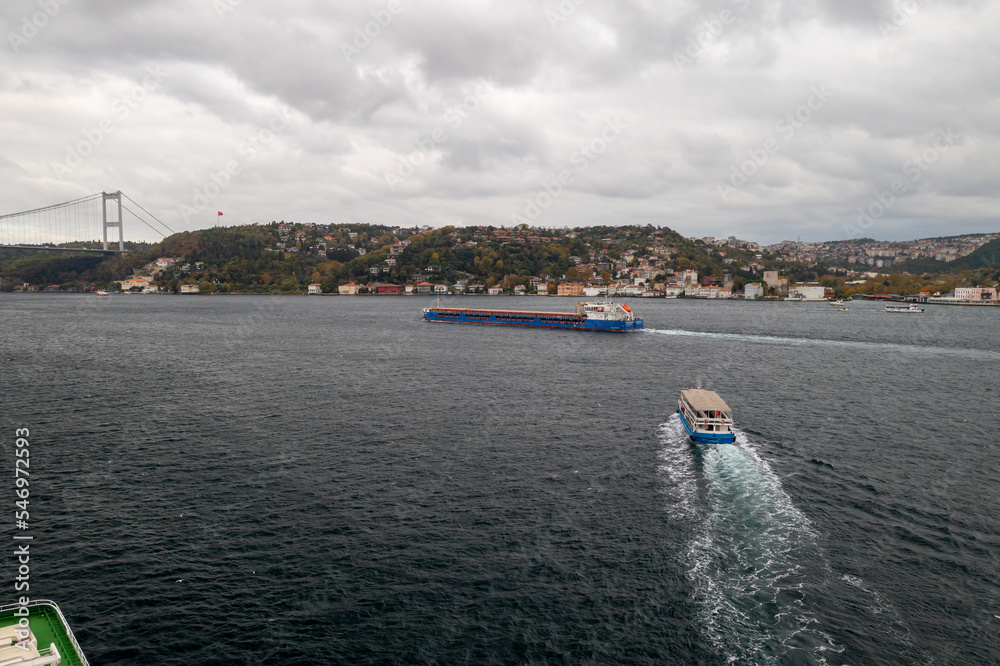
<point x="764" y="119"/>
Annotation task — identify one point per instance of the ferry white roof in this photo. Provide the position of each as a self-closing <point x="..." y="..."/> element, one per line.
<point x="704" y="400"/>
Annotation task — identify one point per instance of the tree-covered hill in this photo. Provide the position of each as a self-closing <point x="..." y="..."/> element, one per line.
<point x="280" y="257"/>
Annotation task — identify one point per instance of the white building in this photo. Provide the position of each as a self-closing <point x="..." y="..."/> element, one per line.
<point x="806" y="293"/>
<point x="975" y="294"/>
<point x="688" y="276"/>
<point x="315" y="288"/>
<point x="753" y="291"/>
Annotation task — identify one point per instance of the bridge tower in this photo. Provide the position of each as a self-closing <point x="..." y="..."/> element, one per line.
<point x="116" y="196"/>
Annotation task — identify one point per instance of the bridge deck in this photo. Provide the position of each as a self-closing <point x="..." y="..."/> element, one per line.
<point x="55" y="249"/>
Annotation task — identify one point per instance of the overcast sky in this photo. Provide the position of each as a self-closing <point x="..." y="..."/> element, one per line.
<point x="762" y="119"/>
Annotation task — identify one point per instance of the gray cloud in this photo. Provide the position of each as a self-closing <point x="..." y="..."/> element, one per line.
<point x="703" y="88"/>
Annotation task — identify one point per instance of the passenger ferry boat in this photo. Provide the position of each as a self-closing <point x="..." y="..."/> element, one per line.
<point x="903" y="308"/>
<point x="42" y="638"/>
<point x="590" y="316"/>
<point x="706" y="417"/>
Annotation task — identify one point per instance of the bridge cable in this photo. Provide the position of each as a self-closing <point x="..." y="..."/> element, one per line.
<point x="144" y="221"/>
<point x="148" y="213"/>
<point x="46" y="208"/>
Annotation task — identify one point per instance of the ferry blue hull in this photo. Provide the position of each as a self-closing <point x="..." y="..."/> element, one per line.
<point x="534" y="320"/>
<point x="706" y="437"/>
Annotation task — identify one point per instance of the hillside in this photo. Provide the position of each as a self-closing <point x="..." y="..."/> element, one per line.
<point x="986" y="258"/>
<point x="284" y="257"/>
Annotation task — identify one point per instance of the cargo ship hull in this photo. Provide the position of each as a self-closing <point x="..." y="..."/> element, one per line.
<point x="559" y="320"/>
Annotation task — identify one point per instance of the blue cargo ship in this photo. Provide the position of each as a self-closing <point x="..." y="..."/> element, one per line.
<point x="592" y="316"/>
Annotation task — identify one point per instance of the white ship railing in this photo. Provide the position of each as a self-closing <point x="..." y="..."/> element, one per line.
<point x="69" y="631"/>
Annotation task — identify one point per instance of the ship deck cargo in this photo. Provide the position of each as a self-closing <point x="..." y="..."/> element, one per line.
<point x="592" y="316"/>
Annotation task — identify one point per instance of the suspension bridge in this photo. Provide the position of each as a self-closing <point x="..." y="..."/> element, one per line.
<point x="87" y="224"/>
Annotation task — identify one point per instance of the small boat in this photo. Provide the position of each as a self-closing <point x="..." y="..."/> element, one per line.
<point x="903" y="308"/>
<point x="37" y="634"/>
<point x="837" y="302"/>
<point x="843" y="309"/>
<point x="103" y="293"/>
<point x="706" y="417"/>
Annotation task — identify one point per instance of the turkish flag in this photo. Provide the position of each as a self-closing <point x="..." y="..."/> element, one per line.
<point x="220" y="212"/>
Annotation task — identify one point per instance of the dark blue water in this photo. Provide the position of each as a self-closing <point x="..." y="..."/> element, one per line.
<point x="255" y="480"/>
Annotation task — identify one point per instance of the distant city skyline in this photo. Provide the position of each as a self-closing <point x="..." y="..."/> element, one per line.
<point x="750" y="118"/>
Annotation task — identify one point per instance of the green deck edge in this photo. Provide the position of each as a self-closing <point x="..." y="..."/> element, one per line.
<point x="48" y="628"/>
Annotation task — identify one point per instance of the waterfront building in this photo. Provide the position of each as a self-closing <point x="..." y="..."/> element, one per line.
<point x="774" y="281"/>
<point x="806" y="293"/>
<point x="570" y="289"/>
<point x="975" y="294"/>
<point x="349" y="289"/>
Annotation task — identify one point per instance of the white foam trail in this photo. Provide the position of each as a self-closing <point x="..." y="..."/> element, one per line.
<point x="678" y="468"/>
<point x="747" y="550"/>
<point x="820" y="342"/>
